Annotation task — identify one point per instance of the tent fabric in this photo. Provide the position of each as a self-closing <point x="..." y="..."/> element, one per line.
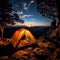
<point x="19" y="34"/>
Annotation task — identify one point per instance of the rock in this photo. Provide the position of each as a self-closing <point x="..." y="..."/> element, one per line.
<point x="54" y="33"/>
<point x="40" y="51"/>
<point x="32" y="59"/>
<point x="3" y="43"/>
<point x="28" y="49"/>
<point x="4" y="58"/>
<point x="20" y="54"/>
<point x="32" y="55"/>
<point x="56" y="55"/>
<point x="42" y="45"/>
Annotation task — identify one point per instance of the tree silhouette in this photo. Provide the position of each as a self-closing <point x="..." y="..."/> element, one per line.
<point x="49" y="8"/>
<point x="5" y="15"/>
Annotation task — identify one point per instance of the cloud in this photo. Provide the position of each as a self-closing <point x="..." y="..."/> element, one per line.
<point x="27" y="15"/>
<point x="24" y="16"/>
<point x="25" y="6"/>
<point x="19" y="12"/>
<point x="17" y="24"/>
<point x="13" y="12"/>
<point x="31" y="2"/>
<point x="16" y="12"/>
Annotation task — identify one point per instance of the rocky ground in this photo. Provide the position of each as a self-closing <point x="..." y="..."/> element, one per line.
<point x="43" y="49"/>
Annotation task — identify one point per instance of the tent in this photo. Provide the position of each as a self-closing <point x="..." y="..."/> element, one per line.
<point x="23" y="36"/>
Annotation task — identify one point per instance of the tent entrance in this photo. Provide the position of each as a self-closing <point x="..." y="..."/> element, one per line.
<point x="23" y="37"/>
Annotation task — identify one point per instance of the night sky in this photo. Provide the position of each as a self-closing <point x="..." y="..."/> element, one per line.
<point x="27" y="10"/>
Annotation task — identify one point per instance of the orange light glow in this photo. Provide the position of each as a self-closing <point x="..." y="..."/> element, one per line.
<point x="19" y="34"/>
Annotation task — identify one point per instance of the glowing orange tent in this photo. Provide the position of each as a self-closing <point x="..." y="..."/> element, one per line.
<point x="18" y="37"/>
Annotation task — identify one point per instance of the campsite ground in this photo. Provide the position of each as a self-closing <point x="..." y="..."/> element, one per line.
<point x="43" y="49"/>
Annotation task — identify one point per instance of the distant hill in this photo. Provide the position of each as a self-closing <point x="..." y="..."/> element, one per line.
<point x="37" y="31"/>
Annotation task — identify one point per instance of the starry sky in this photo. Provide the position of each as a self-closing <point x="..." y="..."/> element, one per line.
<point x="27" y="11"/>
